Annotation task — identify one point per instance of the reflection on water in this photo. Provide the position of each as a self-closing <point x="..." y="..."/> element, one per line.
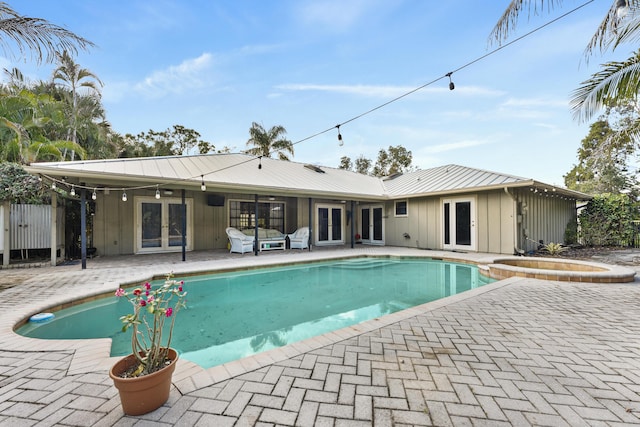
<point x="233" y="315"/>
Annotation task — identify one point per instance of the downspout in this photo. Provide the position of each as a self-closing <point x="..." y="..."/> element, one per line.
<point x="516" y="234"/>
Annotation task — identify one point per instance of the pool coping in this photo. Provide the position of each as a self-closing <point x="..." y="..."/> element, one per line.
<point x="93" y="355"/>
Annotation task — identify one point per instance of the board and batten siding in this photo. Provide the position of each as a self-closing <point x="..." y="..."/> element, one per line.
<point x="543" y="216"/>
<point x="495" y="227"/>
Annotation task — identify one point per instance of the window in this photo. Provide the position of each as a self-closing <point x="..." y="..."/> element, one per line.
<point x="401" y="208"/>
<point x="242" y="215"/>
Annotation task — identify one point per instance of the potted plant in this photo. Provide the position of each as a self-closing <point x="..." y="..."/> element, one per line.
<point x="357" y="237"/>
<point x="143" y="378"/>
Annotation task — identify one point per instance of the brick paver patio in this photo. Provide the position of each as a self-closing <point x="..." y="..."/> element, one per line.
<point x="517" y="352"/>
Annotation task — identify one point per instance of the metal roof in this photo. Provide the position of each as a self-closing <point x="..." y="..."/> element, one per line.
<point x="250" y="174"/>
<point x="229" y="172"/>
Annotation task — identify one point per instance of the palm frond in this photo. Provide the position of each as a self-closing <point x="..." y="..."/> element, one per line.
<point x="39" y="37"/>
<point x="614" y="83"/>
<point x="507" y="22"/>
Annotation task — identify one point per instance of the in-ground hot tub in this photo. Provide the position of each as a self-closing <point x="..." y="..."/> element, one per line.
<point x="566" y="270"/>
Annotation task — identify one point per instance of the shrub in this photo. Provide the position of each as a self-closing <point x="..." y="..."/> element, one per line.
<point x="608" y="220"/>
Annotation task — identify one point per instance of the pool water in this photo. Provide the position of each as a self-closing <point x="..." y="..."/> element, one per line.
<point x="238" y="314"/>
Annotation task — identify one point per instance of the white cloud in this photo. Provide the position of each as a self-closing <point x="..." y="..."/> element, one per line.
<point x="536" y="102"/>
<point x="387" y="92"/>
<point x="453" y="146"/>
<point x="334" y="15"/>
<point x="177" y="79"/>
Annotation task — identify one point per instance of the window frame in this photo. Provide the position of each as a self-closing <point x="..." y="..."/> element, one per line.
<point x="406" y="208"/>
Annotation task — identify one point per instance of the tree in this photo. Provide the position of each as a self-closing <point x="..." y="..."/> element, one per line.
<point x="265" y="143"/>
<point x="602" y="166"/>
<point x="73" y="77"/>
<point x="174" y="141"/>
<point x="397" y="160"/>
<point x="38" y="36"/>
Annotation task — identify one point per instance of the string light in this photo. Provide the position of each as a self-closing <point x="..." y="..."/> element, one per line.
<point x="202" y="186"/>
<point x="94" y="195"/>
<point x="451" y="85"/>
<point x="73" y="191"/>
<point x="157" y="192"/>
<point x="621" y="4"/>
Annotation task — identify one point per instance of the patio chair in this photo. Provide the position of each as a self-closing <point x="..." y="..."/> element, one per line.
<point x="240" y="242"/>
<point x="299" y="239"/>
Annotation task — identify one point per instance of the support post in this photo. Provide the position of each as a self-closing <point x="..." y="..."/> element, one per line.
<point x="310" y="223"/>
<point x="353" y="224"/>
<point x="6" y="226"/>
<point x="54" y="227"/>
<point x="256" y="243"/>
<point x="184" y="225"/>
<point x="83" y="227"/>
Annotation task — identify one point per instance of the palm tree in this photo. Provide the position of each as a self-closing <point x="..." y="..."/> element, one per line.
<point x="618" y="81"/>
<point x="265" y="143"/>
<point x="73" y="77"/>
<point x="42" y="38"/>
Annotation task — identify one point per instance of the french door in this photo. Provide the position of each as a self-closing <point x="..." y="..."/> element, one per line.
<point x="159" y="224"/>
<point x="371" y="219"/>
<point x="459" y="224"/>
<point x="330" y="225"/>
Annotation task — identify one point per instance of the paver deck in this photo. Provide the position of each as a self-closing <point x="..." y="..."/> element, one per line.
<point x="516" y="352"/>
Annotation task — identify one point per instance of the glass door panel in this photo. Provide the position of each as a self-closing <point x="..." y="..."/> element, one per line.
<point x="377" y="224"/>
<point x="151" y="225"/>
<point x="175" y="224"/>
<point x="366" y="223"/>
<point x="458" y="221"/>
<point x="323" y="224"/>
<point x="336" y="224"/>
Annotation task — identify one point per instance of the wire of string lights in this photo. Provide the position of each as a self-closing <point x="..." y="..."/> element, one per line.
<point x="339" y="125"/>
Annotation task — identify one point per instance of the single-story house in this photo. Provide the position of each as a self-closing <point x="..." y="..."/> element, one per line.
<point x="139" y="202"/>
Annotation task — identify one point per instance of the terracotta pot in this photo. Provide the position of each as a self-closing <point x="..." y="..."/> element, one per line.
<point x="143" y="394"/>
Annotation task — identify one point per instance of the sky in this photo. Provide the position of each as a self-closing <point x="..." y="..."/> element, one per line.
<point x="308" y="65"/>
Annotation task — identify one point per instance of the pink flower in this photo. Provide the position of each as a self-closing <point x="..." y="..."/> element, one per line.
<point x="179" y="288"/>
<point x="181" y="282"/>
<point x="120" y="292"/>
<point x="146" y="293"/>
<point x="137" y="292"/>
<point x="143" y="303"/>
<point x="151" y="298"/>
<point x="147" y="285"/>
<point x="169" y="312"/>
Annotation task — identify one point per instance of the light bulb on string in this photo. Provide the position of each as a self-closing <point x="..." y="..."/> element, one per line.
<point x="73" y="191"/>
<point x="451" y="85"/>
<point x="53" y="185"/>
<point x="260" y="164"/>
<point x="202" y="186"/>
<point x="94" y="195"/>
<point x="340" y="141"/>
<point x="157" y="192"/>
<point x="124" y="195"/>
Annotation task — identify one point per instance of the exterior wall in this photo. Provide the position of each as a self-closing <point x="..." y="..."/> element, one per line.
<point x="542" y="216"/>
<point x="115" y="222"/>
<point x="495" y="227"/>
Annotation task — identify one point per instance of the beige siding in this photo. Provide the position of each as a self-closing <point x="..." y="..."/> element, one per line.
<point x="544" y="216"/>
<point x="494" y="223"/>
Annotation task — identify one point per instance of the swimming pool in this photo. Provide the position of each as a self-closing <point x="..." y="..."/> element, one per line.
<point x="238" y="314"/>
